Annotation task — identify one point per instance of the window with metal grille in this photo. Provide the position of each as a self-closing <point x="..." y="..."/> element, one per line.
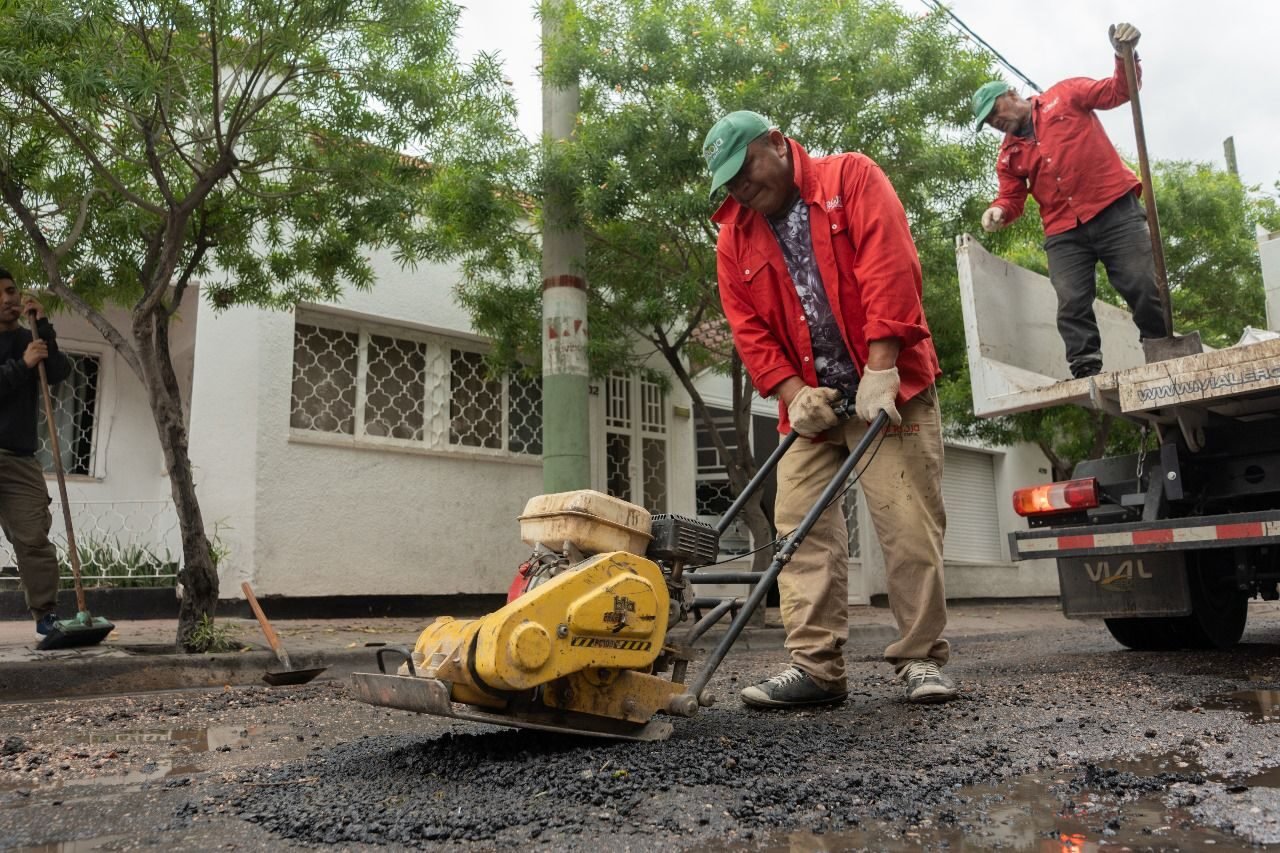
<point x="401" y="387"/>
<point x="636" y="448"/>
<point x="75" y="413"/>
<point x="713" y="495"/>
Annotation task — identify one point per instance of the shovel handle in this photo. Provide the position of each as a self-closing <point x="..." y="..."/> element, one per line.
<point x="1148" y="187"/>
<point x="272" y="638"/>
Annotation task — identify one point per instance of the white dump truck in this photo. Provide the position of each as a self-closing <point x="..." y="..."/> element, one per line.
<point x="1167" y="546"/>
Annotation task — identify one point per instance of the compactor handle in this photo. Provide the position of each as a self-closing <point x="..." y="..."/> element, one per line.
<point x="402" y="651"/>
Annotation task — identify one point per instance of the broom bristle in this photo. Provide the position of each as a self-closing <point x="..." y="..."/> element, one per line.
<point x="83" y="630"/>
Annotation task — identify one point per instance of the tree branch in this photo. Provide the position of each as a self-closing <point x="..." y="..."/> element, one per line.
<point x="11" y="192"/>
<point x="202" y="246"/>
<point x="88" y="152"/>
<point x="77" y="227"/>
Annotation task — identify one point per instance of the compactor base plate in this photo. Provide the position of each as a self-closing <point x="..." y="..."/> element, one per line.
<point x="430" y="696"/>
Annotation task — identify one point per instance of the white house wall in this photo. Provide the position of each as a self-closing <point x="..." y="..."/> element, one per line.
<point x="310" y="518"/>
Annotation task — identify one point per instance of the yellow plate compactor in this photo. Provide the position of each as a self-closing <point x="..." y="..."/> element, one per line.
<point x="587" y="643"/>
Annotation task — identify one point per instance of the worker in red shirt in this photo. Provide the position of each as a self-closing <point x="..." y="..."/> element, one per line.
<point x="1055" y="147"/>
<point x="821" y="285"/>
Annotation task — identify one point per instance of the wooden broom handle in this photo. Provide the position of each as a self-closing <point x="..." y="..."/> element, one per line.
<point x="73" y="553"/>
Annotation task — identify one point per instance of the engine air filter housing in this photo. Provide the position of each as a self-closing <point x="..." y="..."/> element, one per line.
<point x="678" y="537"/>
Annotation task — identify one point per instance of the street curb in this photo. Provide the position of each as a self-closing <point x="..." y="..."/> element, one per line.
<point x="77" y="674"/>
<point x="162" y="603"/>
<point x="67" y="675"/>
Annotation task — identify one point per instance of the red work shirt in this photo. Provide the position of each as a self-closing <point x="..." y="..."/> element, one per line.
<point x="869" y="268"/>
<point x="1070" y="165"/>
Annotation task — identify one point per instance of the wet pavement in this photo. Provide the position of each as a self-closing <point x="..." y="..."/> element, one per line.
<point x="1062" y="741"/>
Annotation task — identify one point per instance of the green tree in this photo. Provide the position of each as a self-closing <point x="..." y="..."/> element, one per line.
<point x="858" y="75"/>
<point x="1208" y="221"/>
<point x="252" y="146"/>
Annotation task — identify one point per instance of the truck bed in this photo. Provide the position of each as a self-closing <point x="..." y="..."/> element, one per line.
<point x="1017" y="362"/>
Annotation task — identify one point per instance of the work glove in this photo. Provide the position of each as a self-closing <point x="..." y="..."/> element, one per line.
<point x="993" y="219"/>
<point x="878" y="389"/>
<point x="1122" y="34"/>
<point x="810" y="410"/>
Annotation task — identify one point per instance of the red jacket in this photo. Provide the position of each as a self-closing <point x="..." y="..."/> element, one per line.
<point x="1071" y="167"/>
<point x="868" y="264"/>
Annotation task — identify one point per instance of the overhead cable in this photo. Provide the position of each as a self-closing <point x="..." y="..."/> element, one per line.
<point x="1013" y="69"/>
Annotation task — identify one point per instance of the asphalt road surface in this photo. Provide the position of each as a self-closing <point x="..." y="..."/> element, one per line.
<point x="1061" y="741"/>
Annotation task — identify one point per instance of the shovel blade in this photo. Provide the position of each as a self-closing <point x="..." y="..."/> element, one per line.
<point x="1174" y="346"/>
<point x="291" y="676"/>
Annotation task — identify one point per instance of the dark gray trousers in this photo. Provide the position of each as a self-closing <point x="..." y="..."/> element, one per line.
<point x="1120" y="238"/>
<point x="25" y="520"/>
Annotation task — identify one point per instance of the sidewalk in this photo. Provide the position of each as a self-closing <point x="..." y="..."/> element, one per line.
<point x="139" y="655"/>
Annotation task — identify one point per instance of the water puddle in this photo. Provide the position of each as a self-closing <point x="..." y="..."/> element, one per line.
<point x="153" y="771"/>
<point x="1265" y="779"/>
<point x="1261" y="706"/>
<point x="210" y="739"/>
<point x="182" y="742"/>
<point x="80" y="845"/>
<point x="1025" y="814"/>
<point x="1146" y="766"/>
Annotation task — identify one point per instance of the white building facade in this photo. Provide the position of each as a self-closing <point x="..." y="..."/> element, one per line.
<point x="361" y="448"/>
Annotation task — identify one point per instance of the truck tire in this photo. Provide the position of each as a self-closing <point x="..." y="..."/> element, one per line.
<point x="1218" y="609"/>
<point x="1152" y="634"/>
<point x="1217" y="618"/>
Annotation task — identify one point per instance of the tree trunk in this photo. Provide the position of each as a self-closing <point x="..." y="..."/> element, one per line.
<point x="199" y="575"/>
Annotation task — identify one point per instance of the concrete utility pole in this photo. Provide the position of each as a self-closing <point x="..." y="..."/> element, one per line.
<point x="1229" y="151"/>
<point x="566" y="437"/>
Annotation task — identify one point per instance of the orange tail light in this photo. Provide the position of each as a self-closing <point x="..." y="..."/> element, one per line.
<point x="1056" y="497"/>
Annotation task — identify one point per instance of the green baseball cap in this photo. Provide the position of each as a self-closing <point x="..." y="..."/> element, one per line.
<point x="984" y="100"/>
<point x="725" y="147"/>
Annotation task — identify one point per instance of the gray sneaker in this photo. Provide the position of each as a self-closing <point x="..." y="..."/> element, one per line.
<point x="792" y="688"/>
<point x="926" y="683"/>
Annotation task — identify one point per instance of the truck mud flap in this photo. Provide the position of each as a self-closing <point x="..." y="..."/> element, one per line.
<point x="1120" y="585"/>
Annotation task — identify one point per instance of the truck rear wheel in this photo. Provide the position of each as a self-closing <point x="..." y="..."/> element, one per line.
<point x="1217" y="618"/>
<point x="1218" y="609"/>
<point x="1152" y="634"/>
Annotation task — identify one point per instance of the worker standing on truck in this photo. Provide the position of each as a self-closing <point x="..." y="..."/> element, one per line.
<point x="821" y="286"/>
<point x="1055" y="147"/>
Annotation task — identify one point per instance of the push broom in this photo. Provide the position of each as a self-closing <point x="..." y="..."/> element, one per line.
<point x="85" y="629"/>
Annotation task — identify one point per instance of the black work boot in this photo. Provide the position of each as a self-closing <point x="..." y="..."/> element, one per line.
<point x="1086" y="367"/>
<point x="793" y="688"/>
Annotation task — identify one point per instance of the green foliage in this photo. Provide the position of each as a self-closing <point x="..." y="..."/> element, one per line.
<point x="256" y="144"/>
<point x="1209" y="221"/>
<point x="210" y="638"/>
<point x="119" y="566"/>
<point x="654" y="75"/>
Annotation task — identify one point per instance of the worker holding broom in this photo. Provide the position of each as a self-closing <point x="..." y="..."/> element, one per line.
<point x="1055" y="149"/>
<point x="24" y="499"/>
<point x="821" y="286"/>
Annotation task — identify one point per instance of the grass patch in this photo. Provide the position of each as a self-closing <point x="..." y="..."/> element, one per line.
<point x="211" y="637"/>
<point x="106" y="563"/>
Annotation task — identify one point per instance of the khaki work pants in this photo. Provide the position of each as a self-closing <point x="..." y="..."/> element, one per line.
<point x="902" y="488"/>
<point x="25" y="519"/>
